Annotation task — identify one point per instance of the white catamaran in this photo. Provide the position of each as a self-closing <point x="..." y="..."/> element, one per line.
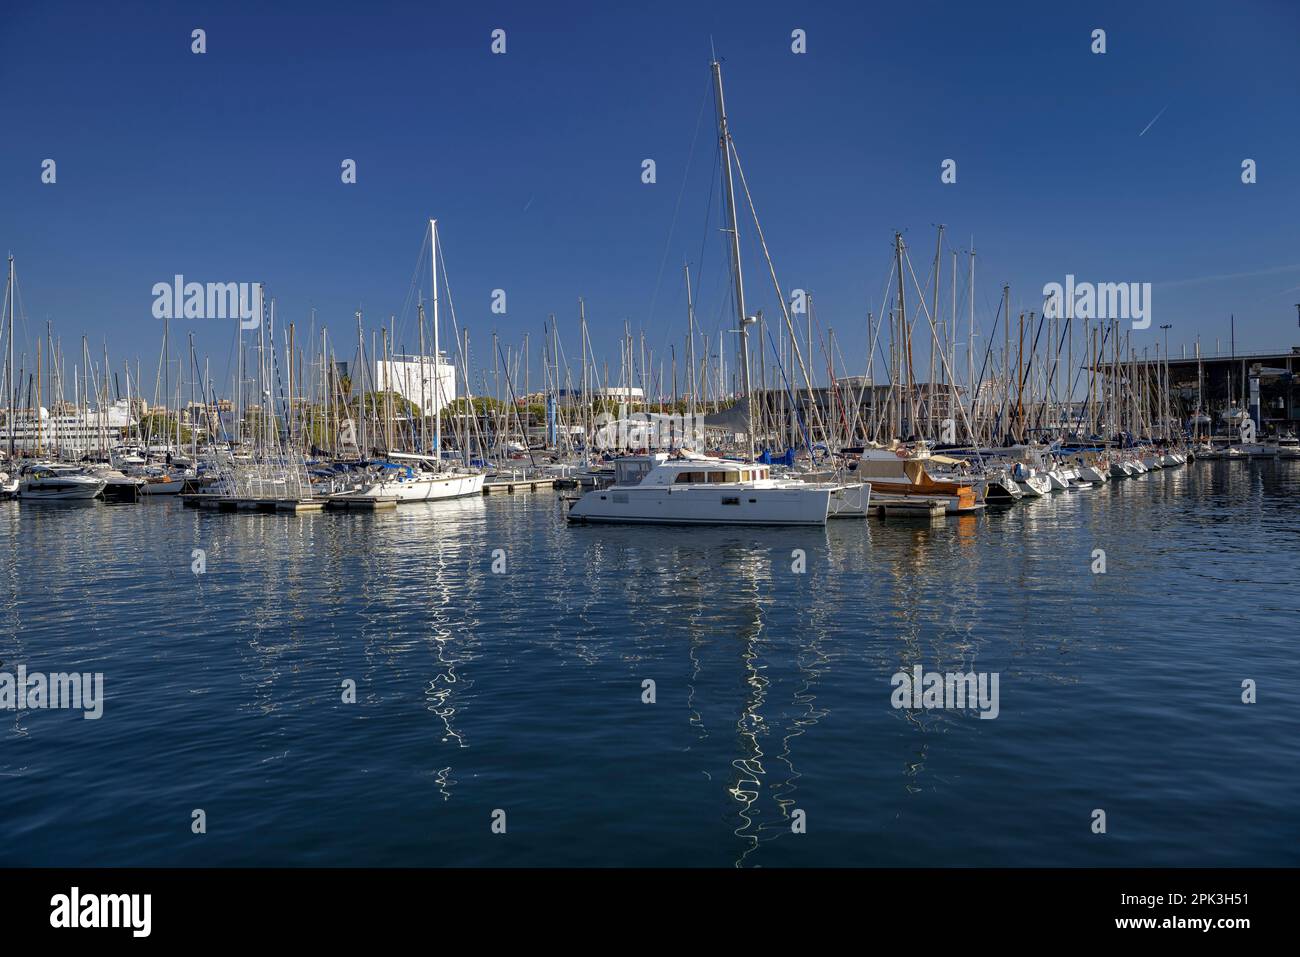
<point x="692" y="489"/>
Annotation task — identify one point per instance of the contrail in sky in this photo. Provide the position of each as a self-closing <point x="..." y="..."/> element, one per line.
<point x="1153" y="122"/>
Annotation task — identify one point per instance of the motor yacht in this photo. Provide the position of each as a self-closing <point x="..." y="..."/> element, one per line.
<point x="49" y="482"/>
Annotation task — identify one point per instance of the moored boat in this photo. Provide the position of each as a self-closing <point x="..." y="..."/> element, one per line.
<point x="902" y="473"/>
<point x="693" y="489"/>
<point x="43" y="482"/>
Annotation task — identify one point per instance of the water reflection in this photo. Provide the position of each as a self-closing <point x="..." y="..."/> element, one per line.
<point x="512" y="690"/>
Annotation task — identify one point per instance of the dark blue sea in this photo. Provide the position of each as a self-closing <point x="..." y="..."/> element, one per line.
<point x="516" y="697"/>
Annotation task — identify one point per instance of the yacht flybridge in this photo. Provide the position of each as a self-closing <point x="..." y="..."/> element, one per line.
<point x="686" y="488"/>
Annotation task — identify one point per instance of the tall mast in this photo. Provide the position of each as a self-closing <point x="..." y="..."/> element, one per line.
<point x="361" y="408"/>
<point x="931" y="418"/>
<point x="586" y="386"/>
<point x="424" y="384"/>
<point x="970" y="338"/>
<point x="437" y="370"/>
<point x="9" y="370"/>
<point x="37" y="410"/>
<point x="901" y="320"/>
<point x="690" y="342"/>
<point x="742" y="320"/>
<point x="194" y="431"/>
<point x="469" y="419"/>
<point x="951" y="361"/>
<point x="555" y="385"/>
<point x="1006" y="367"/>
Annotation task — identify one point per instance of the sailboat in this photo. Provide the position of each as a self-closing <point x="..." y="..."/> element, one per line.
<point x="422" y="478"/>
<point x="689" y="488"/>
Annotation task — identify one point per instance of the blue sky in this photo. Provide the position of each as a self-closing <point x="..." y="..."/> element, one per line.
<point x="226" y="166"/>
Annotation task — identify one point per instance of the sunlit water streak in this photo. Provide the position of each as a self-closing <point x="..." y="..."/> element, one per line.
<point x="523" y="691"/>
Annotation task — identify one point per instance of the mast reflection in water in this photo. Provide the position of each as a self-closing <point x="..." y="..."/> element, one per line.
<point x="523" y="690"/>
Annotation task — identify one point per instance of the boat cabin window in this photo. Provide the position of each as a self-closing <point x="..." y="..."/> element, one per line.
<point x="717" y="476"/>
<point x="631" y="472"/>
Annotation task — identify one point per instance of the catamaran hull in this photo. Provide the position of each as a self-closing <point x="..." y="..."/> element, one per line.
<point x="704" y="506"/>
<point x="849" y="501"/>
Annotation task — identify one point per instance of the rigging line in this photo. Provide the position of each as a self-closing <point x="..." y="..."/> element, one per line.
<point x="1092" y="368"/>
<point x="672" y="228"/>
<point x="412" y="287"/>
<point x="698" y="279"/>
<point x="934" y="333"/>
<point x="988" y="351"/>
<point x="708" y="215"/>
<point x="794" y="404"/>
<point x="878" y="342"/>
<point x="472" y="425"/>
<point x="771" y="268"/>
<point x="514" y="401"/>
<point x="714" y="181"/>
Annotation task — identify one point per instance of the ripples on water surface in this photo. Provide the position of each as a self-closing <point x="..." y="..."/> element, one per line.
<point x="522" y="691"/>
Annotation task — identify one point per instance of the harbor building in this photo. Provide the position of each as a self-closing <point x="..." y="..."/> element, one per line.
<point x="428" y="382"/>
<point x="1261" y="384"/>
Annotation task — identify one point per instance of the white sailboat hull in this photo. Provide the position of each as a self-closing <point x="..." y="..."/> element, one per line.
<point x="170" y="487"/>
<point x="424" y="488"/>
<point x="1035" y="486"/>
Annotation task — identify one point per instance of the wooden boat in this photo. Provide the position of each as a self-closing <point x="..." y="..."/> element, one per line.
<point x="900" y="473"/>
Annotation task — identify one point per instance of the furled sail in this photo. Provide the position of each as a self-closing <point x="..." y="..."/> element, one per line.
<point x="735" y="419"/>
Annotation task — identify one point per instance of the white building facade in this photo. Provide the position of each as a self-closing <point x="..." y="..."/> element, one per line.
<point x="427" y="382"/>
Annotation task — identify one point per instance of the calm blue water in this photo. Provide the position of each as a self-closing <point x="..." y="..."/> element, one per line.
<point x="522" y="691"/>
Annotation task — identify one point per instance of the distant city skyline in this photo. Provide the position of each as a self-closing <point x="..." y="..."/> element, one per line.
<point x="231" y="165"/>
